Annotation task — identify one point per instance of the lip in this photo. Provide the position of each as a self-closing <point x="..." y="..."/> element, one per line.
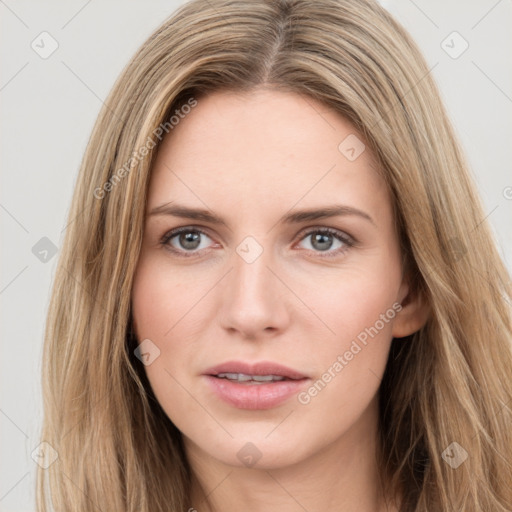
<point x="258" y="368"/>
<point x="255" y="396"/>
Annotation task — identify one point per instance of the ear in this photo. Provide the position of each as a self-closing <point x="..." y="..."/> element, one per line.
<point x="414" y="313"/>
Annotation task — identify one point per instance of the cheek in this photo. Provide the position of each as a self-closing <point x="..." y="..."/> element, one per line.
<point x="160" y="302"/>
<point x="356" y="302"/>
<point x="350" y="365"/>
<point x="161" y="297"/>
<point x="170" y="308"/>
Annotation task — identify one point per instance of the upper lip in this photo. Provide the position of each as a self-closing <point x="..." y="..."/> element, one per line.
<point x="257" y="368"/>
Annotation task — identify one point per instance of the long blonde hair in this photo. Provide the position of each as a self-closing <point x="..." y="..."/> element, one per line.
<point x="451" y="382"/>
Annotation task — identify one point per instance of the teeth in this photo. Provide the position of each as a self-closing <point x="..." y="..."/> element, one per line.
<point x="266" y="378"/>
<point x="242" y="377"/>
<point x="230" y="376"/>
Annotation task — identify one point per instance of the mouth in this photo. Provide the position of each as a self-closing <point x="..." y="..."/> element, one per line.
<point x="261" y="385"/>
<point x="243" y="378"/>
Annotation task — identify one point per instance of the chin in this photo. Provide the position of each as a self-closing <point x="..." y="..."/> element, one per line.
<point x="254" y="449"/>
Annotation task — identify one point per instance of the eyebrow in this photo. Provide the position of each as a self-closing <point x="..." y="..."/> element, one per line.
<point x="295" y="217"/>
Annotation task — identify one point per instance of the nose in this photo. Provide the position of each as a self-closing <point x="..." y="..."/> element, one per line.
<point x="254" y="301"/>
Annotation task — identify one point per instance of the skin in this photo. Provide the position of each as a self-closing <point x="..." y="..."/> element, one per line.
<point x="251" y="158"/>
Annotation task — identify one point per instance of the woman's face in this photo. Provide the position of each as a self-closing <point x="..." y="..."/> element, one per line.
<point x="289" y="276"/>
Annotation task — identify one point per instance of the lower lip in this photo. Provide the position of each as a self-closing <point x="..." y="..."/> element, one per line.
<point x="255" y="396"/>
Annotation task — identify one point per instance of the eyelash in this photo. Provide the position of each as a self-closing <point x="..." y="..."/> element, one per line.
<point x="342" y="237"/>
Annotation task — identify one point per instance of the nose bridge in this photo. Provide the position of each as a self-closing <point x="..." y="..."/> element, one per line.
<point x="250" y="277"/>
<point x="251" y="299"/>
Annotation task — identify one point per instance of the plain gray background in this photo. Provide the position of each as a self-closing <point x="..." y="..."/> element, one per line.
<point x="49" y="106"/>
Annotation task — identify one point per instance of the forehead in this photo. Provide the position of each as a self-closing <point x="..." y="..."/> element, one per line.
<point x="265" y="147"/>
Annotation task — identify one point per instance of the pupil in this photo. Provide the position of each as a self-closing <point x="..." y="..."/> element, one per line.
<point x="322" y="238"/>
<point x="189" y="240"/>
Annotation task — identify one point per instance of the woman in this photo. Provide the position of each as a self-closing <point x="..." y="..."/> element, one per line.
<point x="326" y="326"/>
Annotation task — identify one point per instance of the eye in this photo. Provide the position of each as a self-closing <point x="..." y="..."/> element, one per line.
<point x="184" y="240"/>
<point x="324" y="239"/>
<point x="188" y="241"/>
